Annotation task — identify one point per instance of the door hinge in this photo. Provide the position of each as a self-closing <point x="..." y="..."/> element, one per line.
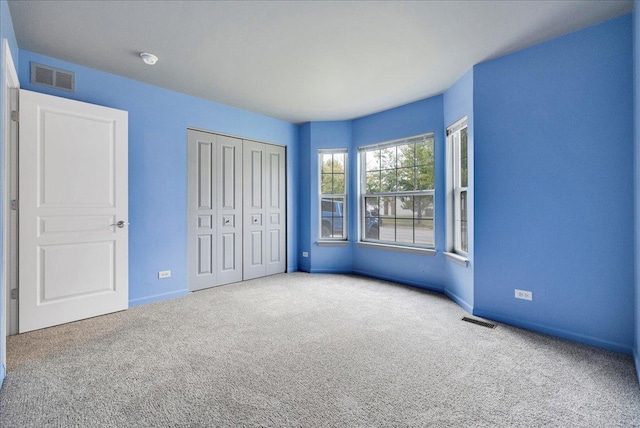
<point x="14" y="205"/>
<point x="15" y="116"/>
<point x="14" y="294"/>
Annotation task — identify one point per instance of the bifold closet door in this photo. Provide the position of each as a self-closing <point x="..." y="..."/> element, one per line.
<point x="214" y="225"/>
<point x="264" y="209"/>
<point x="275" y="209"/>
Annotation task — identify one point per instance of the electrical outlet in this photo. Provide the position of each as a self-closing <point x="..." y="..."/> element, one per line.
<point x="305" y="254"/>
<point x="524" y="294"/>
<point x="164" y="274"/>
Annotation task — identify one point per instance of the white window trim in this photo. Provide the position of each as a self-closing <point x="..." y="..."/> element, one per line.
<point x="394" y="246"/>
<point x="332" y="243"/>
<point x="454" y="252"/>
<point x="400" y="248"/>
<point x="344" y="240"/>
<point x="457" y="258"/>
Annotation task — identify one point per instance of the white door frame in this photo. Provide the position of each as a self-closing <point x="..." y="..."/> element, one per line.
<point x="9" y="321"/>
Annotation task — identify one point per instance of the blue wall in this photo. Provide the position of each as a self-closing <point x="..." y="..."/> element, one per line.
<point x="158" y="121"/>
<point x="554" y="204"/>
<point x="408" y="120"/>
<point x="458" y="102"/>
<point x="327" y="135"/>
<point x="304" y="198"/>
<point x="636" y="128"/>
<point x="6" y="32"/>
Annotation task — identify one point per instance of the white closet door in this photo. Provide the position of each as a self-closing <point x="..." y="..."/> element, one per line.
<point x="201" y="200"/>
<point x="214" y="226"/>
<point x="73" y="214"/>
<point x="254" y="190"/>
<point x="229" y="209"/>
<point x="236" y="210"/>
<point x="264" y="209"/>
<point x="275" y="227"/>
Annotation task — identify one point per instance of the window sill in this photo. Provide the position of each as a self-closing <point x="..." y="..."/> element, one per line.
<point x="328" y="243"/>
<point x="414" y="250"/>
<point x="457" y="258"/>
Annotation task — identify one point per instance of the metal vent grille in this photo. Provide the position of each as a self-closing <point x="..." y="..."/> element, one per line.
<point x="479" y="322"/>
<point x="53" y="77"/>
<point x="44" y="76"/>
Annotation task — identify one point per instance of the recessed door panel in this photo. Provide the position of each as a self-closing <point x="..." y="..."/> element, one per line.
<point x="256" y="190"/>
<point x="65" y="156"/>
<point x="205" y="222"/>
<point x="274" y="180"/>
<point x="228" y="177"/>
<point x="205" y="175"/>
<point x="274" y="250"/>
<point x="228" y="252"/>
<point x="51" y="225"/>
<point x="256" y="248"/>
<point x="94" y="271"/>
<point x="205" y="255"/>
<point x="229" y="221"/>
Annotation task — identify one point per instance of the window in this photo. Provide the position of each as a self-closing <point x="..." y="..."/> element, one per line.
<point x="397" y="192"/>
<point x="458" y="240"/>
<point x="333" y="193"/>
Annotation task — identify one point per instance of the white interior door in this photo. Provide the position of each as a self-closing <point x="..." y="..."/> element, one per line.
<point x="73" y="235"/>
<point x="214" y="210"/>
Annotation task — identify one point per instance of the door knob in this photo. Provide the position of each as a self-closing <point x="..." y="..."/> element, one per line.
<point x="120" y="224"/>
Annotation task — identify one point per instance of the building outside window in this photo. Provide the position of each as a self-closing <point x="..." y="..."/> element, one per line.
<point x="458" y="171"/>
<point x="397" y="192"/>
<point x="333" y="194"/>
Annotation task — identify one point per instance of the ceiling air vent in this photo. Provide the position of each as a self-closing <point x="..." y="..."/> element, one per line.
<point x="53" y="77"/>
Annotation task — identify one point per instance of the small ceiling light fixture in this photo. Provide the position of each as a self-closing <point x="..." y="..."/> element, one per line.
<point x="149" y="59"/>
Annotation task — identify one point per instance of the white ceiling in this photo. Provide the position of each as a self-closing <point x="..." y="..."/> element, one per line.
<point x="298" y="61"/>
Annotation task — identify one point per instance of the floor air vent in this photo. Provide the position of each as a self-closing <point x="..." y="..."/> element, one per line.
<point x="53" y="77"/>
<point x="478" y="322"/>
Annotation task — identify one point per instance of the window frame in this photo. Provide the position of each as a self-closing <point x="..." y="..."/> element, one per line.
<point x="455" y="190"/>
<point x="363" y="240"/>
<point x="321" y="196"/>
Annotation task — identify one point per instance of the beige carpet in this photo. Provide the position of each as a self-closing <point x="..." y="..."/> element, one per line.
<point x="312" y="351"/>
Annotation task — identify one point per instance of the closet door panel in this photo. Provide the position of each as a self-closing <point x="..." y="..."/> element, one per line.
<point x="201" y="196"/>
<point x="254" y="210"/>
<point x="275" y="210"/>
<point x="229" y="209"/>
